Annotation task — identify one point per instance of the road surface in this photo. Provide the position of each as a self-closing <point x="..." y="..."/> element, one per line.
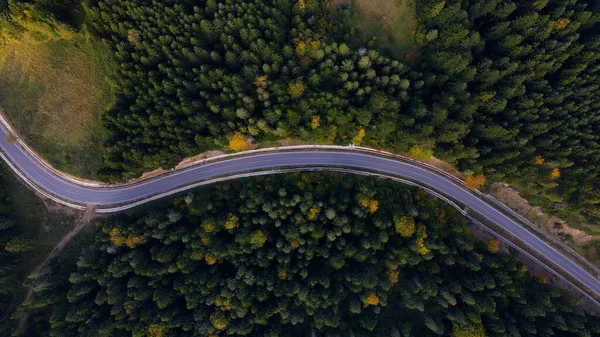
<point x="41" y="176"/>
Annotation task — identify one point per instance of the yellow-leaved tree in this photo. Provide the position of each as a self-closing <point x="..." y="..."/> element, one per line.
<point x="210" y="259"/>
<point x="119" y="239"/>
<point x="155" y="330"/>
<point x="418" y="152"/>
<point x="219" y="320"/>
<point x="562" y="23"/>
<point x="313" y="213"/>
<point x="258" y="238"/>
<point x="359" y="136"/>
<point x="555" y="174"/>
<point x="493" y="245"/>
<point x="261" y="81"/>
<point x="539" y="160"/>
<point x="316" y="121"/>
<point x="296" y="89"/>
<point x="371" y="204"/>
<point x="238" y="142"/>
<point x="421" y="236"/>
<point x="475" y="181"/>
<point x="231" y="222"/>
<point x="371" y="299"/>
<point x="405" y="226"/>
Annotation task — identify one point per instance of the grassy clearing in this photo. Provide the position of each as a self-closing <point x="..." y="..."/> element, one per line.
<point x="391" y="22"/>
<point x="54" y="86"/>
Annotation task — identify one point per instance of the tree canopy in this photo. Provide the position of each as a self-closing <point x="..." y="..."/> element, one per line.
<point x="282" y="255"/>
<point x="497" y="85"/>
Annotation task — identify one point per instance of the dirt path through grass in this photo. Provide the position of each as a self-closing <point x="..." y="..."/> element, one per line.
<point x="83" y="221"/>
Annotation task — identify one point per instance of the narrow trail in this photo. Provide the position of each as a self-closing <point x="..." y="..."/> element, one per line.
<point x="83" y="221"/>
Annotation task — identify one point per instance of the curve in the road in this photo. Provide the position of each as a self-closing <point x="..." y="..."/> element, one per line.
<point x="39" y="175"/>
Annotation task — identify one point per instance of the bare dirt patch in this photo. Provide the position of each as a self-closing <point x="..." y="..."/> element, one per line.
<point x="444" y="166"/>
<point x="192" y="160"/>
<point x="551" y="224"/>
<point x="147" y="175"/>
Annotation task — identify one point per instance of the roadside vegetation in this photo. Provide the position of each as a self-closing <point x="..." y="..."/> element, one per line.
<point x="54" y="86"/>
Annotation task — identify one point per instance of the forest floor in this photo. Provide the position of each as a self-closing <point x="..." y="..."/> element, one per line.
<point x="44" y="222"/>
<point x="54" y="86"/>
<point x="391" y="22"/>
<point x="84" y="219"/>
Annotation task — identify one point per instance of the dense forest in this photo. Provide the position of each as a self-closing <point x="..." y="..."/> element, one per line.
<point x="289" y="255"/>
<point x="498" y="87"/>
<point x="504" y="88"/>
<point x="11" y="244"/>
<point x="517" y="83"/>
<point x="192" y="75"/>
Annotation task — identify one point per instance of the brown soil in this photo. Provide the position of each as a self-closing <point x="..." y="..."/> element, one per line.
<point x="191" y="160"/>
<point x="535" y="214"/>
<point x="147" y="175"/>
<point x="444" y="166"/>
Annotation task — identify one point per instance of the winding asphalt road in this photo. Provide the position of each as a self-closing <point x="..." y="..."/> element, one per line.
<point x="49" y="180"/>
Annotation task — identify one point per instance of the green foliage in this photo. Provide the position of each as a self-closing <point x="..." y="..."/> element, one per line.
<point x="497" y="84"/>
<point x="9" y="258"/>
<point x="506" y="81"/>
<point x="332" y="273"/>
<point x="19" y="244"/>
<point x="181" y="80"/>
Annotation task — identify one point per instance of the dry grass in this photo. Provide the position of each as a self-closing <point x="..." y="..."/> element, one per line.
<point x="391" y="22"/>
<point x="54" y="87"/>
<point x="582" y="241"/>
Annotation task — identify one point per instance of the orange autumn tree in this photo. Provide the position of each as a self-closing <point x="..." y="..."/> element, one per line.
<point x="555" y="174"/>
<point x="371" y="299"/>
<point x="238" y="142"/>
<point x="261" y="81"/>
<point x="475" y="181"/>
<point x="493" y="245"/>
<point x="316" y="122"/>
<point x="539" y="160"/>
